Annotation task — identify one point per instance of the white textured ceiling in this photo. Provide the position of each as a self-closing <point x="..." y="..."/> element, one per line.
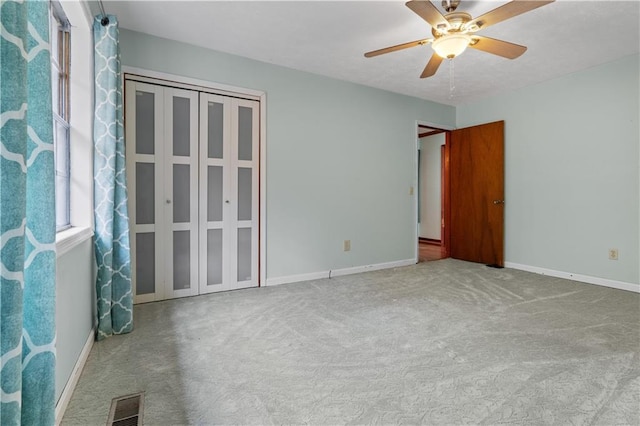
<point x="330" y="38"/>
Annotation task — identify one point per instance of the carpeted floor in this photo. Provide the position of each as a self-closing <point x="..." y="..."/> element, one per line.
<point x="444" y="342"/>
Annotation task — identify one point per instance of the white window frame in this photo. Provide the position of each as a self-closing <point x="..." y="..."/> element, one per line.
<point x="59" y="33"/>
<point x="80" y="104"/>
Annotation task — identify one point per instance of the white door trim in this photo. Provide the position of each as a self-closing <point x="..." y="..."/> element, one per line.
<point x="182" y="82"/>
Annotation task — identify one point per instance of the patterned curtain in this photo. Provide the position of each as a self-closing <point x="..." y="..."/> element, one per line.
<point x="113" y="285"/>
<point x="27" y="217"/>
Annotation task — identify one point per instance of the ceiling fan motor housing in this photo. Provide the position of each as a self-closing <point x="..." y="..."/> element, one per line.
<point x="450" y="5"/>
<point x="455" y="24"/>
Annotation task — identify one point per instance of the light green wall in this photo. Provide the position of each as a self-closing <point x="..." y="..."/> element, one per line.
<point x="75" y="272"/>
<point x="75" y="308"/>
<point x="571" y="170"/>
<point x="340" y="156"/>
<point x="340" y="161"/>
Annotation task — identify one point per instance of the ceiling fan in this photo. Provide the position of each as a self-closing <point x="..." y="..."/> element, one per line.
<point x="455" y="31"/>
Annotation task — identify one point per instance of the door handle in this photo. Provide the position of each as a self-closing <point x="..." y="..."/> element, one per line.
<point x="498" y="201"/>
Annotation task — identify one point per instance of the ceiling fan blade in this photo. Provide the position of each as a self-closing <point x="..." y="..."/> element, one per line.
<point x="427" y="11"/>
<point x="506" y="11"/>
<point x="497" y="47"/>
<point x="396" y="47"/>
<point x="432" y="66"/>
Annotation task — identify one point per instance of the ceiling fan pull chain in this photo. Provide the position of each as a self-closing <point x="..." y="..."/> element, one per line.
<point x="452" y="84"/>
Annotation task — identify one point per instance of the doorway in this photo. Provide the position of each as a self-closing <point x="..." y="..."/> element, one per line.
<point x="461" y="189"/>
<point x="432" y="169"/>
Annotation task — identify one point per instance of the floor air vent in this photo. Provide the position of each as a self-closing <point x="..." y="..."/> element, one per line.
<point x="126" y="410"/>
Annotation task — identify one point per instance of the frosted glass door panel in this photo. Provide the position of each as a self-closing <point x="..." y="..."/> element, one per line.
<point x="245" y="193"/>
<point x="244" y="254"/>
<point x="181" y="193"/>
<point x="214" y="256"/>
<point x="145" y="123"/>
<point x="145" y="263"/>
<point x="215" y="129"/>
<point x="145" y="193"/>
<point x="245" y="133"/>
<point x="181" y="126"/>
<point x="181" y="260"/>
<point x="215" y="193"/>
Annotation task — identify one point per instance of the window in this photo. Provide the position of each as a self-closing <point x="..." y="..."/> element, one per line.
<point x="60" y="61"/>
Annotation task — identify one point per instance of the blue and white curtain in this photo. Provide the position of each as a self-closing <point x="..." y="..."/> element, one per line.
<point x="113" y="285"/>
<point x="27" y="217"/>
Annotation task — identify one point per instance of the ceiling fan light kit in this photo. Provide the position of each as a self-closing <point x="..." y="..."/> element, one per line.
<point x="455" y="31"/>
<point x="450" y="46"/>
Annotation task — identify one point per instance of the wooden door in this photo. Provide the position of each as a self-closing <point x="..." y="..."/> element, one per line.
<point x="477" y="194"/>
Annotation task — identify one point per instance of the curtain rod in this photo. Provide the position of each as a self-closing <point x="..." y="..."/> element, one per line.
<point x="105" y="20"/>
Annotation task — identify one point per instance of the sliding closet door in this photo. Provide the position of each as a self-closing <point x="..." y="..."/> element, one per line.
<point x="192" y="171"/>
<point x="162" y="171"/>
<point x="228" y="193"/>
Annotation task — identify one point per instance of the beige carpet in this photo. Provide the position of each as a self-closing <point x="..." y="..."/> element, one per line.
<point x="444" y="342"/>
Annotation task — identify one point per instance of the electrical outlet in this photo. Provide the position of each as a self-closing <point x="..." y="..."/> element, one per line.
<point x="347" y="245"/>
<point x="613" y="254"/>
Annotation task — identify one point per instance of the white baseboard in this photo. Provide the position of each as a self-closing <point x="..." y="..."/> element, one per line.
<point x="338" y="272"/>
<point x="376" y="267"/>
<point x="296" y="278"/>
<point x="67" y="392"/>
<point x="620" y="285"/>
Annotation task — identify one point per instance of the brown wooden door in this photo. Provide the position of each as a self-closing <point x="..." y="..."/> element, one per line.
<point x="477" y="194"/>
